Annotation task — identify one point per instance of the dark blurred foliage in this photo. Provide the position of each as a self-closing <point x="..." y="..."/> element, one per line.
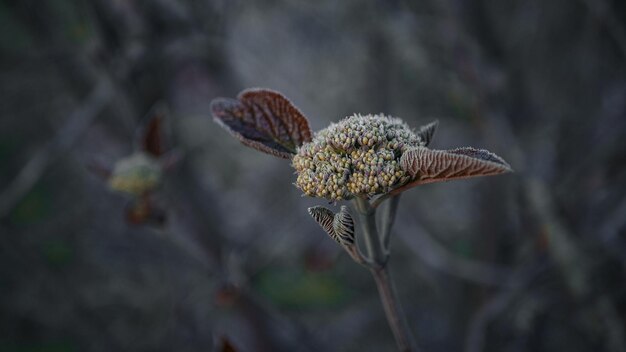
<point x="531" y="261"/>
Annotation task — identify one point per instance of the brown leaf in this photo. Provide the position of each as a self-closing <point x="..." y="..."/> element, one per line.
<point x="151" y="135"/>
<point x="427" y="165"/>
<point x="427" y="132"/>
<point x="264" y="120"/>
<point x="481" y="154"/>
<point x="153" y="140"/>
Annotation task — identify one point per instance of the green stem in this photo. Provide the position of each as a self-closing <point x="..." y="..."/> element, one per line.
<point x="387" y="219"/>
<point x="393" y="311"/>
<point x="373" y="245"/>
<point x="377" y="254"/>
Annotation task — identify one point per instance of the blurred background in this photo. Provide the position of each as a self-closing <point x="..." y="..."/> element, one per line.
<point x="530" y="261"/>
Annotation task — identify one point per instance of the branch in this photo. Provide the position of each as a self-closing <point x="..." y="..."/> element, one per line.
<point x="64" y="139"/>
<point x="516" y="283"/>
<point x="378" y="268"/>
<point x="602" y="10"/>
<point x="387" y="219"/>
<point x="393" y="311"/>
<point x="438" y="257"/>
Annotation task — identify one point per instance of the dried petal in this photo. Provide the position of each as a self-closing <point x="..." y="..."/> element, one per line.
<point x="264" y="120"/>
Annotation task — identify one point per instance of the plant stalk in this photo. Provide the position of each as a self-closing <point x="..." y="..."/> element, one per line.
<point x="377" y="254"/>
<point x="393" y="310"/>
<point x="388" y="217"/>
<point x="373" y="244"/>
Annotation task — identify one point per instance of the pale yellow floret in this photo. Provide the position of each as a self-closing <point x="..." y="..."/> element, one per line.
<point x="358" y="156"/>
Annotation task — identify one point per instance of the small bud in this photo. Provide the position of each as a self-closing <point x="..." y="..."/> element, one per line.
<point x="324" y="217"/>
<point x="344" y="227"/>
<point x="136" y="175"/>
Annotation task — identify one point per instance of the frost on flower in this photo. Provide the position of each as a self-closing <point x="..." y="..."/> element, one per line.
<point x="358" y="156"/>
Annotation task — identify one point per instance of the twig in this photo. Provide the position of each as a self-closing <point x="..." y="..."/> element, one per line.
<point x="197" y="227"/>
<point x="357" y="256"/>
<point x="475" y="339"/>
<point x="377" y="254"/>
<point x="438" y="257"/>
<point x="573" y="261"/>
<point x="612" y="24"/>
<point x="395" y="315"/>
<point x="388" y="217"/>
<point x="373" y="245"/>
<point x="65" y="138"/>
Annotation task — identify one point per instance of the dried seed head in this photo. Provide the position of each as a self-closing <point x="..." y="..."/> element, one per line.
<point x="358" y="156"/>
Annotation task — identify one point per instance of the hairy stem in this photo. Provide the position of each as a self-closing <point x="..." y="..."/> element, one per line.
<point x="377" y="254"/>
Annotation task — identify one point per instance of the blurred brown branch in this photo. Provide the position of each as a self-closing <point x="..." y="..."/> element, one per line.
<point x="61" y="143"/>
<point x="438" y="257"/>
<point x="516" y="285"/>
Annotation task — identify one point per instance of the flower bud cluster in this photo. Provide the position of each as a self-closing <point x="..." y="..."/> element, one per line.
<point x="359" y="155"/>
<point x="136" y="174"/>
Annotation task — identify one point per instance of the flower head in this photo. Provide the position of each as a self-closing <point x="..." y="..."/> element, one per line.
<point x="135" y="175"/>
<point x="358" y="156"/>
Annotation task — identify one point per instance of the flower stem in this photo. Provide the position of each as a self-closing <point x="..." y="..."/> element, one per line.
<point x="377" y="254"/>
<point x="393" y="311"/>
<point x="373" y="244"/>
<point x="388" y="217"/>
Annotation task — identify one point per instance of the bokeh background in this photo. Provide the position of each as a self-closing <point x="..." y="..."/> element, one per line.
<point x="530" y="261"/>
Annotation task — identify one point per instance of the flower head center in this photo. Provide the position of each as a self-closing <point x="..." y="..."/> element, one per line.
<point x="358" y="156"/>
